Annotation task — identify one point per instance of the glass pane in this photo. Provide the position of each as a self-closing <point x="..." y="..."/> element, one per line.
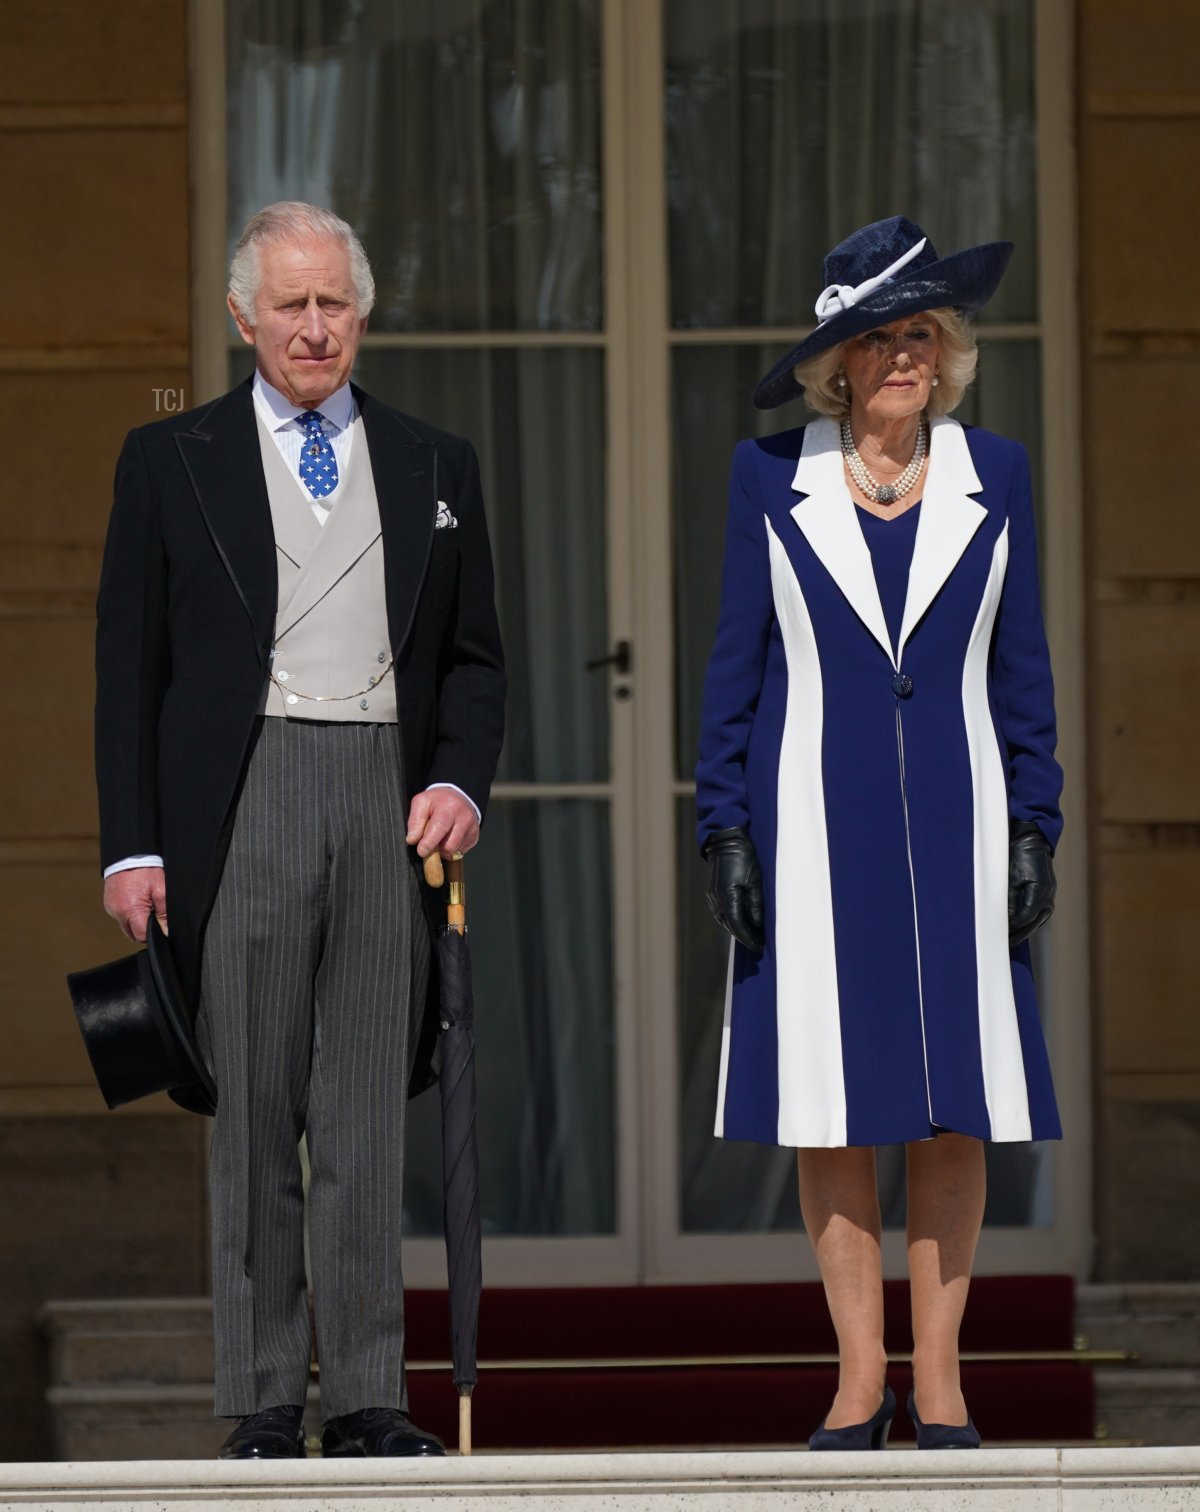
<point x="790" y="125"/>
<point x="461" y="139"/>
<point x="536" y="418"/>
<point x="712" y="412"/>
<point x="538" y="906"/>
<point x="1006" y="397"/>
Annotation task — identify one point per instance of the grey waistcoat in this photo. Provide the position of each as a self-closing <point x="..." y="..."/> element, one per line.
<point x="331" y="629"/>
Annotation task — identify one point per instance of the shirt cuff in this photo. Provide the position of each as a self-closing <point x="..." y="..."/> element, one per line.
<point x="129" y="863"/>
<point x="461" y="794"/>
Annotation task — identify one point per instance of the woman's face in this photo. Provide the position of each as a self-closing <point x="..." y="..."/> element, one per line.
<point x="890" y="370"/>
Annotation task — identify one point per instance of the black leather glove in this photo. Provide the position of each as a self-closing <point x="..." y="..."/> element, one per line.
<point x="735" y="892"/>
<point x="1031" y="884"/>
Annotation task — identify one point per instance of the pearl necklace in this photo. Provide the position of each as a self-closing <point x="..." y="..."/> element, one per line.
<point x="885" y="493"/>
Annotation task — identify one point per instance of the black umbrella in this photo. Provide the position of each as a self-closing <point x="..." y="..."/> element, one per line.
<point x="460" y="1153"/>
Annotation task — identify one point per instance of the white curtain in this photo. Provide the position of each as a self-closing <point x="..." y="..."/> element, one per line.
<point x="789" y="124"/>
<point x="461" y="138"/>
<point x="792" y="122"/>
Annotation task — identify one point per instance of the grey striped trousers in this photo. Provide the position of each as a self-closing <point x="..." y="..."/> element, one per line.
<point x="316" y="960"/>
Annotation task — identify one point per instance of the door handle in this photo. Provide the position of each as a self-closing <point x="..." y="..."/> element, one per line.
<point x="621" y="660"/>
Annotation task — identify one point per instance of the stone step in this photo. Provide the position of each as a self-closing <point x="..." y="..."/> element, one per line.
<point x="1159" y="1322"/>
<point x="145" y="1421"/>
<point x="1150" y="1406"/>
<point x="109" y="1343"/>
<point x="134" y="1380"/>
<point x="1016" y="1480"/>
<point x="172" y="1359"/>
<point x="1155" y="1399"/>
<point x="135" y="1377"/>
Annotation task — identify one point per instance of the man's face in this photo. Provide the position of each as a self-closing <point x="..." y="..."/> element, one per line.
<point x="307" y="325"/>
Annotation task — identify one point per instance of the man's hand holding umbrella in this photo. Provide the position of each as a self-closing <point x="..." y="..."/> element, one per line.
<point x="442" y="820"/>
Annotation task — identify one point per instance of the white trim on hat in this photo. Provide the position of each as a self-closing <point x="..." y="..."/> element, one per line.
<point x="840" y="297"/>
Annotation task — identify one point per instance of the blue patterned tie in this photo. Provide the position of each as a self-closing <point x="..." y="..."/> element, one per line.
<point x="318" y="465"/>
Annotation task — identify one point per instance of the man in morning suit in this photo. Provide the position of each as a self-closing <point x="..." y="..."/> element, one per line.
<point x="300" y="695"/>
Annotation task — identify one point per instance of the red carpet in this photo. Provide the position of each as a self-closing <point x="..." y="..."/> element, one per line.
<point x="1011" y="1400"/>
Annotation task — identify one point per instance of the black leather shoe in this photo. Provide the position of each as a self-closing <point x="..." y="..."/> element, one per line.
<point x="942" y="1435"/>
<point x="376" y="1431"/>
<point x="276" y="1433"/>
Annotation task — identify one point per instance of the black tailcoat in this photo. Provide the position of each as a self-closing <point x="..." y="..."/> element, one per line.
<point x="186" y="618"/>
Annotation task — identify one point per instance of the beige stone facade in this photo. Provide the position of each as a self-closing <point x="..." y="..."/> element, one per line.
<point x="1139" y="146"/>
<point x="96" y="290"/>
<point x="95" y="282"/>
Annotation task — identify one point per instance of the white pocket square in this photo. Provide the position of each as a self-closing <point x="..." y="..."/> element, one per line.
<point x="445" y="520"/>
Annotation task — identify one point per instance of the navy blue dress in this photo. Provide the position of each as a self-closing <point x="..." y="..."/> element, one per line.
<point x="875" y="716"/>
<point x="891" y="543"/>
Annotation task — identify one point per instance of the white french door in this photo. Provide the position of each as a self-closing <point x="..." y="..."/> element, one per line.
<point x="609" y="230"/>
<point x="736" y="186"/>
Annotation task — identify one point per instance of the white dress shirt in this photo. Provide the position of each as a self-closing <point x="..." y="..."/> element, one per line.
<point x="284" y="422"/>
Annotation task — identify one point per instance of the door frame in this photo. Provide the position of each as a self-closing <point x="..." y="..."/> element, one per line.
<point x="523" y="1260"/>
<point x="644" y="788"/>
<point x="1065" y="1245"/>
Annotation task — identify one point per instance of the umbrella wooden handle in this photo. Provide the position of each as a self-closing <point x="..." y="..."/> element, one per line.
<point x="437" y="875"/>
<point x="456" y="909"/>
<point x="464" y="1425"/>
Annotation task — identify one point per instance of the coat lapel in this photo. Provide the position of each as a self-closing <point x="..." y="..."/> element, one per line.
<point x="949" y="519"/>
<point x="222" y="459"/>
<point x="405" y="472"/>
<point x="827" y="518"/>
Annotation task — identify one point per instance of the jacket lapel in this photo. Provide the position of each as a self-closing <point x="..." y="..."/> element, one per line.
<point x="831" y="528"/>
<point x="949" y="519"/>
<point x="224" y="464"/>
<point x="222" y="459"/>
<point x="405" y="472"/>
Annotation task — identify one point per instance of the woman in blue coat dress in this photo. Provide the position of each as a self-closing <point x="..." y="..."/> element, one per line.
<point x="878" y="801"/>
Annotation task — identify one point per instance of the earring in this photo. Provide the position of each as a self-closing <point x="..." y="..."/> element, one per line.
<point x="841" y="380"/>
<point x="934" y="381"/>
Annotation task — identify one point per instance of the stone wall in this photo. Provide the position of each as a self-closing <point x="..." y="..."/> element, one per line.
<point x="94" y="285"/>
<point x="94" y="338"/>
<point x="1139" y="146"/>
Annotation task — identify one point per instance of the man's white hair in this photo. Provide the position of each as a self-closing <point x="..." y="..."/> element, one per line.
<point x="292" y="221"/>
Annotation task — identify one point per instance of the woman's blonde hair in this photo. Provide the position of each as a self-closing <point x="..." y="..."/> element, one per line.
<point x="957" y="361"/>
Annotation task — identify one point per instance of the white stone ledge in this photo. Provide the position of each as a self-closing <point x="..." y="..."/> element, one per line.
<point x="991" y="1480"/>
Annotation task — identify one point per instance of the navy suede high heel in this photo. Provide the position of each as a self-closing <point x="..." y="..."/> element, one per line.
<point x="942" y="1435"/>
<point x="873" y="1434"/>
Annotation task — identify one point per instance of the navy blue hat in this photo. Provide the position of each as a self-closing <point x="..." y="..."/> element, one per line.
<point x="879" y="274"/>
<point x="137" y="1029"/>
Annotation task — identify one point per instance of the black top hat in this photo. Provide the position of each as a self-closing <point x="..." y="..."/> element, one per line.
<point x="881" y="273"/>
<point x="137" y="1028"/>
